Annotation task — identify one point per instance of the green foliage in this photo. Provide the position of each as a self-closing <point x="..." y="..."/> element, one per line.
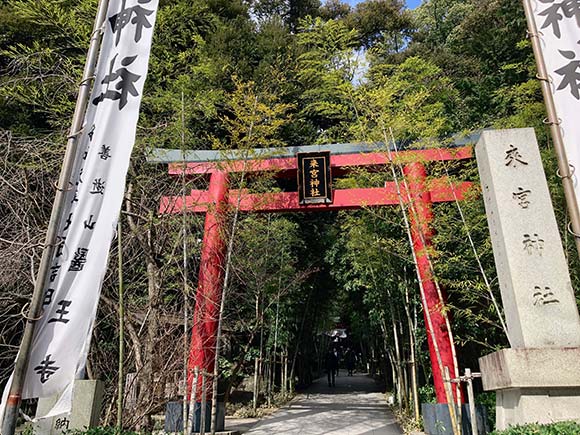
<point x="487" y="399"/>
<point x="381" y="21"/>
<point x="563" y="428"/>
<point x="327" y="68"/>
<point x="413" y="99"/>
<point x="427" y="394"/>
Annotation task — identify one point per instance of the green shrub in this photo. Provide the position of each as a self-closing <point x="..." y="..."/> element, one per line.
<point x="562" y="428"/>
<point x="487" y="399"/>
<point x="427" y="394"/>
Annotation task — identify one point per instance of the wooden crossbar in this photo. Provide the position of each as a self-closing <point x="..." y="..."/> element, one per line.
<point x="344" y="199"/>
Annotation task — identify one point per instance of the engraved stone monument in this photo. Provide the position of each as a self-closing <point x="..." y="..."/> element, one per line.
<point x="85" y="413"/>
<point x="538" y="378"/>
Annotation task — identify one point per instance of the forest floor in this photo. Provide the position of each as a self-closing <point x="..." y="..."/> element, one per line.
<point x="355" y="406"/>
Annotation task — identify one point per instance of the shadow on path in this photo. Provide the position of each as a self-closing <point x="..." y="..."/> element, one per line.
<point x="355" y="406"/>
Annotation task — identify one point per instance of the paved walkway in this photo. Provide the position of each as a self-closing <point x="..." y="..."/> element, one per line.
<point x="354" y="407"/>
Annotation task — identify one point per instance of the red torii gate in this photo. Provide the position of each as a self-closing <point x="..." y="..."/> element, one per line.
<point x="215" y="201"/>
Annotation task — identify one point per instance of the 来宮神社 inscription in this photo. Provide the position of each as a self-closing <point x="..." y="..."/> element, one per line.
<point x="537" y="295"/>
<point x="314" y="178"/>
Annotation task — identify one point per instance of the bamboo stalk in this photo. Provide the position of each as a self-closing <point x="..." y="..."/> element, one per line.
<point x="471" y="397"/>
<point x="121" y="328"/>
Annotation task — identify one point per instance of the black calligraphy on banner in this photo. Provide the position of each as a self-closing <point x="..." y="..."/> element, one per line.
<point x="67" y="222"/>
<point x="60" y="247"/>
<point x="61" y="312"/>
<point x="49" y="292"/>
<point x="90" y="223"/>
<point x="559" y="11"/>
<point x="105" y="152"/>
<point x="570" y="74"/>
<point x="91" y="133"/>
<point x="46" y="369"/>
<point x="98" y="187"/>
<point x="136" y="15"/>
<point x="79" y="260"/>
<point x="54" y="271"/>
<point x="124" y="83"/>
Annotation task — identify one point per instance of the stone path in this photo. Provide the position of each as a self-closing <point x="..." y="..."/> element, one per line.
<point x="354" y="407"/>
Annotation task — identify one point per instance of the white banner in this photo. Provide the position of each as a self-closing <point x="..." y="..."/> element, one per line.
<point x="73" y="287"/>
<point x="558" y="22"/>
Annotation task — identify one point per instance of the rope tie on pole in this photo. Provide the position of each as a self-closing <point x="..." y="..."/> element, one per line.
<point x="100" y="30"/>
<point x="86" y="82"/>
<point x="75" y="134"/>
<point x="572" y="172"/>
<point x="54" y="245"/>
<point x="547" y="79"/>
<point x="536" y="34"/>
<point x="60" y="189"/>
<point x="29" y="319"/>
<point x="547" y="121"/>
<point x="571" y="231"/>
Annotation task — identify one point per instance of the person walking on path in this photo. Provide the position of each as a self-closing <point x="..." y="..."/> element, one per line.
<point x="331" y="366"/>
<point x="350" y="361"/>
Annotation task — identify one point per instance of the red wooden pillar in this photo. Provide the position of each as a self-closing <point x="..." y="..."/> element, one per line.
<point x="208" y="297"/>
<point x="421" y="232"/>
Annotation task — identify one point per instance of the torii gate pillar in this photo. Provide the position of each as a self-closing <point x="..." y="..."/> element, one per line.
<point x="208" y="298"/>
<point x="421" y="233"/>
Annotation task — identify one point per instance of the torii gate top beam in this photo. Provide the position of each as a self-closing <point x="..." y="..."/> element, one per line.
<point x="283" y="159"/>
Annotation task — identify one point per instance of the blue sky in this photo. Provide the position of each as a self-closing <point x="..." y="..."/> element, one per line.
<point x="412" y="4"/>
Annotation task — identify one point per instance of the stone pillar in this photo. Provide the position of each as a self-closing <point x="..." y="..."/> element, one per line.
<point x="538" y="378"/>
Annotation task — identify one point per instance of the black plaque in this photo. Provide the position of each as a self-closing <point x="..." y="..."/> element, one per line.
<point x="314" y="178"/>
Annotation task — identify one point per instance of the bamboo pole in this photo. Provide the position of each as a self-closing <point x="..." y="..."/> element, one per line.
<point x="50" y="242"/>
<point x="191" y="416"/>
<point x="121" y="329"/>
<point x="203" y="406"/>
<point x="565" y="171"/>
<point x="412" y="361"/>
<point x="185" y="286"/>
<point x="471" y="397"/>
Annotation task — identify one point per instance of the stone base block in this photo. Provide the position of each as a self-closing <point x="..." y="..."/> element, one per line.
<point x="533" y="385"/>
<point x="86" y="410"/>
<point x="520" y="406"/>
<point x="436" y="419"/>
<point x="174" y="417"/>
